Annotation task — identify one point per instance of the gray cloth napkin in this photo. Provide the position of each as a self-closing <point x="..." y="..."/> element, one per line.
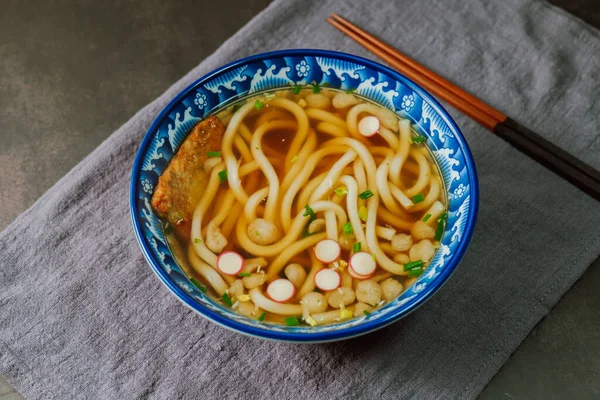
<point x="82" y="315"/>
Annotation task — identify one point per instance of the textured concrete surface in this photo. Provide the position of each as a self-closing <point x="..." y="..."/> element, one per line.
<point x="72" y="72"/>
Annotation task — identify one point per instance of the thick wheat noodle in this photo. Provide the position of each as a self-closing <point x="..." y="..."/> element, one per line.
<point x="207" y="272"/>
<point x="436" y="209"/>
<point x="351" y="207"/>
<point x="382" y="259"/>
<point x="242" y="148"/>
<point x="271" y="306"/>
<point x="325" y="116"/>
<point x="309" y="188"/>
<point x="282" y="259"/>
<point x="432" y="195"/>
<point x="331" y="129"/>
<point x="402" y="153"/>
<point x="387" y="248"/>
<point x="395" y="221"/>
<point x="389" y="137"/>
<point x="331" y="226"/>
<point x="309" y="283"/>
<point x="381" y="151"/>
<point x="301" y="133"/>
<point x="364" y="155"/>
<point x="272" y="114"/>
<point x="424" y="174"/>
<point x="266" y="167"/>
<point x="384" y="189"/>
<point x="245" y="133"/>
<point x="402" y="198"/>
<point x="224" y="209"/>
<point x="237" y="209"/>
<point x="231" y="162"/>
<point x="207" y="198"/>
<point x="332" y="176"/>
<point x="305" y="152"/>
<point x="291" y="235"/>
<point x="253" y="201"/>
<point x="231" y="220"/>
<point x="288" y="198"/>
<point x="385" y="232"/>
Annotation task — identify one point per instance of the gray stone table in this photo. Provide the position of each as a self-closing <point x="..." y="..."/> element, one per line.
<point x="79" y="71"/>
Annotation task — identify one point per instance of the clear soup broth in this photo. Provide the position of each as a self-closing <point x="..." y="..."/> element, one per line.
<point x="303" y="206"/>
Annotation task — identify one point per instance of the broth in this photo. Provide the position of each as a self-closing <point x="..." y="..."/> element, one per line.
<point x="303" y="206"/>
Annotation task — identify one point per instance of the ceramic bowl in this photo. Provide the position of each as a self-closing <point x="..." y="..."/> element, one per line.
<point x="282" y="69"/>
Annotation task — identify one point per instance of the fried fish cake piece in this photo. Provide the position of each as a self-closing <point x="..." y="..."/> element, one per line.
<point x="181" y="185"/>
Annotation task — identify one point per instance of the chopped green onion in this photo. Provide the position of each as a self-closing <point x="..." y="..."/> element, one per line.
<point x="296" y="89"/>
<point x="236" y="107"/>
<point x="305" y="232"/>
<point x="341" y="191"/>
<point x="168" y="228"/>
<point x="366" y="312"/>
<point x="308" y="211"/>
<point x="200" y="286"/>
<point x="197" y="240"/>
<point x="426" y="217"/>
<point x="316" y="88"/>
<point x="292" y="321"/>
<point x="213" y="154"/>
<point x="442" y="217"/>
<point x="441" y="227"/>
<point x="415" y="272"/>
<point x="258" y="104"/>
<point x="418" y="139"/>
<point x="366" y="194"/>
<point x="418" y="198"/>
<point x="223" y="176"/>
<point x="226" y="299"/>
<point x="363" y="213"/>
<point x="262" y="316"/>
<point x="356" y="247"/>
<point x="347" y="228"/>
<point x="413" y="265"/>
<point x="350" y="91"/>
<point x="244" y="274"/>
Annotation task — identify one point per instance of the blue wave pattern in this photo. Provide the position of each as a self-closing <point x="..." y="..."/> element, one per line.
<point x="281" y="72"/>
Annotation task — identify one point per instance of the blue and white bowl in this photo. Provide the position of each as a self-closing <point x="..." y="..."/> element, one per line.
<point x="282" y="69"/>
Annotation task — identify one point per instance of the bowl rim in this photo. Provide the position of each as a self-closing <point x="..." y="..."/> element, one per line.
<point x="334" y="335"/>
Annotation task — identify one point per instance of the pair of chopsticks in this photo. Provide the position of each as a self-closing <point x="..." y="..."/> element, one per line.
<point x="528" y="142"/>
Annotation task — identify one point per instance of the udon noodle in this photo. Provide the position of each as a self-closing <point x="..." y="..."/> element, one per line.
<point x="303" y="206"/>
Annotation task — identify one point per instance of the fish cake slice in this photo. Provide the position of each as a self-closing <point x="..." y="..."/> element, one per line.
<point x="181" y="185"/>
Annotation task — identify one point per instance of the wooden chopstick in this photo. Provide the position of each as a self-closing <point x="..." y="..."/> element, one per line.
<point x="408" y="62"/>
<point x="546" y="153"/>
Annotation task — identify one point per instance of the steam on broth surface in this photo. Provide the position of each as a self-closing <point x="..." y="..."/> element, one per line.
<point x="303" y="206"/>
